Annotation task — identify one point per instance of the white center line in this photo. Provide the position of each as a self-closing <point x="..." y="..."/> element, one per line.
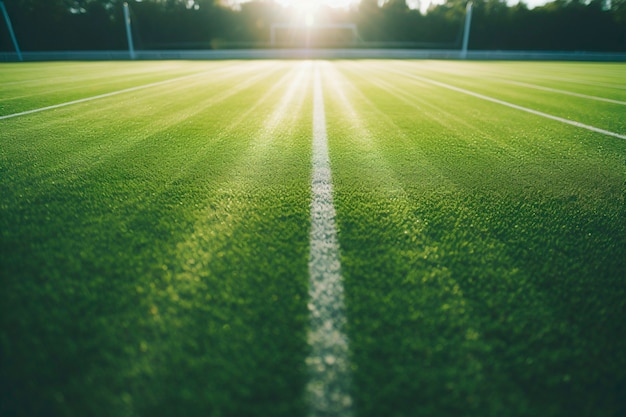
<point x="515" y="106"/>
<point x="328" y="363"/>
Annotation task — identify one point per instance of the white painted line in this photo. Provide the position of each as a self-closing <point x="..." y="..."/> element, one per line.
<point x="113" y="93"/>
<point x="585" y="82"/>
<point x="329" y="367"/>
<point x="569" y="93"/>
<point x="515" y="106"/>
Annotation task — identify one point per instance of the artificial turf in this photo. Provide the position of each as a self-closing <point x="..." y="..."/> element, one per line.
<point x="154" y="243"/>
<point x="480" y="253"/>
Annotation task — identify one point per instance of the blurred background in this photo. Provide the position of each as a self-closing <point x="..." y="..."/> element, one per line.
<point x="75" y="25"/>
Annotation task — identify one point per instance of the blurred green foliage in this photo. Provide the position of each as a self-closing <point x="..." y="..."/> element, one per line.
<point x="568" y="25"/>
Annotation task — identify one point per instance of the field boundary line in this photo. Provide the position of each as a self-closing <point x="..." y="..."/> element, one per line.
<point x="513" y="106"/>
<point x="329" y="369"/>
<point x="585" y="82"/>
<point x="569" y="93"/>
<point x="99" y="96"/>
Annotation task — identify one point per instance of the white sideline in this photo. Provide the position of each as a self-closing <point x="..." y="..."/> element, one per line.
<point x="514" y="106"/>
<point x="329" y="368"/>
<point x="569" y="93"/>
<point x="113" y="93"/>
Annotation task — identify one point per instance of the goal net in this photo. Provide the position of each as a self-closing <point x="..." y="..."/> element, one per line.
<point x="319" y="35"/>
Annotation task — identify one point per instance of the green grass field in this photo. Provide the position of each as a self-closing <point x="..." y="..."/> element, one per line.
<point x="154" y="243"/>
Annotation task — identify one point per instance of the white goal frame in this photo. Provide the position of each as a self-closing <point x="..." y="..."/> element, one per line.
<point x="296" y="27"/>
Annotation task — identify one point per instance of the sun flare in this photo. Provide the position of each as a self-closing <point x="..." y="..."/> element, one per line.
<point x="309" y="19"/>
<point x="303" y="11"/>
<point x="314" y="4"/>
<point x="308" y="13"/>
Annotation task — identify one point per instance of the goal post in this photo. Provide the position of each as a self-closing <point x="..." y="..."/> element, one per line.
<point x="466" y="29"/>
<point x="129" y="33"/>
<point x="10" y="27"/>
<point x="327" y="34"/>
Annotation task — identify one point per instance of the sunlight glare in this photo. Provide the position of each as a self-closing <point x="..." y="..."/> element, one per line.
<point x="298" y="4"/>
<point x="303" y="11"/>
<point x="309" y="19"/>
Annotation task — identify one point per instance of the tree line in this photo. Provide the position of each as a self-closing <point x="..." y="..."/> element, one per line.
<point x="564" y="25"/>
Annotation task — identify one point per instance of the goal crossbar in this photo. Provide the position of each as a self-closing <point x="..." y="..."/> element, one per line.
<point x="350" y="27"/>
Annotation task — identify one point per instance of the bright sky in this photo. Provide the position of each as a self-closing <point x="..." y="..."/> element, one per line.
<point x="311" y="4"/>
<point x="425" y="3"/>
<point x="304" y="5"/>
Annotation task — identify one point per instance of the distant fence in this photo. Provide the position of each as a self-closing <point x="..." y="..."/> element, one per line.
<point x="357" y="53"/>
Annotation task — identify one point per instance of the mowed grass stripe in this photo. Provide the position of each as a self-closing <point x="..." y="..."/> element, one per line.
<point x="43" y="76"/>
<point x="512" y="105"/>
<point x="83" y="100"/>
<point x="488" y="81"/>
<point x="568" y="93"/>
<point x="156" y="248"/>
<point x="394" y="291"/>
<point x="145" y="123"/>
<point x="598" y="79"/>
<point x="395" y="286"/>
<point x="521" y="152"/>
<point x="466" y="269"/>
<point x="328" y="388"/>
<point x="45" y="84"/>
<point x="608" y="76"/>
<point x="257" y="213"/>
<point x="100" y="96"/>
<point x="176" y="256"/>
